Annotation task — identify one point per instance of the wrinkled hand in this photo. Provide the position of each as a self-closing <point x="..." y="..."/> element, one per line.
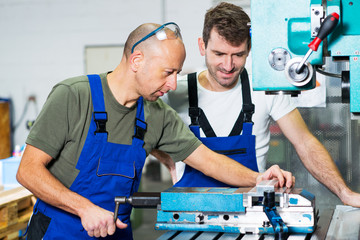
<point x="285" y="178"/>
<point x="99" y="222"/>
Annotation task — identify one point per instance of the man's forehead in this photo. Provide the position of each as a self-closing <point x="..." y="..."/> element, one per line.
<point x="225" y="47"/>
<point x="215" y="38"/>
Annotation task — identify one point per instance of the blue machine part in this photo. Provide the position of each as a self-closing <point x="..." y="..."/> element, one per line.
<point x="171" y="217"/>
<point x="235" y="210"/>
<point x="194" y="199"/>
<point x="281" y="32"/>
<point x="272" y="214"/>
<point x="227" y="229"/>
<point x="280" y="24"/>
<point x="308" y="195"/>
<point x="276" y="220"/>
<point x="345" y="42"/>
<point x="355" y="83"/>
<point x="293" y="201"/>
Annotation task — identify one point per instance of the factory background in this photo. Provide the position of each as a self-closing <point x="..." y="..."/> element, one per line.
<point x="46" y="41"/>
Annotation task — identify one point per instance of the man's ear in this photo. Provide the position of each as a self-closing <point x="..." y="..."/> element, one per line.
<point x="201" y="46"/>
<point x="249" y="47"/>
<point x="135" y="60"/>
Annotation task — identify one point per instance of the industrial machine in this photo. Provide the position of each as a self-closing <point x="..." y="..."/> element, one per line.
<point x="290" y="40"/>
<point x="263" y="209"/>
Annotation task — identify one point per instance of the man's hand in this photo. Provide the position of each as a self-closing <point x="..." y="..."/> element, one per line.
<point x="285" y="178"/>
<point x="99" y="222"/>
<point x="348" y="197"/>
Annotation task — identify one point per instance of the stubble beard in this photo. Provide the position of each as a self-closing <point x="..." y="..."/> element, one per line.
<point x="225" y="84"/>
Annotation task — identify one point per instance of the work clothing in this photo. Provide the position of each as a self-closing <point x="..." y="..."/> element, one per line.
<point x="106" y="169"/>
<point x="238" y="146"/>
<point x="61" y="128"/>
<point x="222" y="109"/>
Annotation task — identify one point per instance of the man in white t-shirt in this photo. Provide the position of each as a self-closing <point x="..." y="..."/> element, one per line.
<point x="267" y="107"/>
<point x="221" y="103"/>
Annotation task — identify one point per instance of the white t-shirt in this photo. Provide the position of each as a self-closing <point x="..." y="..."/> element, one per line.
<point x="223" y="108"/>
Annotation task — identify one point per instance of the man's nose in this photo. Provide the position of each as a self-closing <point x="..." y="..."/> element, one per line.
<point x="228" y="63"/>
<point x="172" y="83"/>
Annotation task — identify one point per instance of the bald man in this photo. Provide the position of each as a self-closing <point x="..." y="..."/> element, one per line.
<point x="94" y="132"/>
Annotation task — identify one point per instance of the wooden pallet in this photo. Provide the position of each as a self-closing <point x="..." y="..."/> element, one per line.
<point x="16" y="206"/>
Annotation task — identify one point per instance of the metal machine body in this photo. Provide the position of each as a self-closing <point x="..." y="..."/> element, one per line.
<point x="263" y="209"/>
<point x="241" y="213"/>
<point x="235" y="210"/>
<point x="339" y="224"/>
<point x="281" y="33"/>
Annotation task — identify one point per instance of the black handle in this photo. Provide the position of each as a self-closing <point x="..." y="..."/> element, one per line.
<point x="327" y="26"/>
<point x="138" y="200"/>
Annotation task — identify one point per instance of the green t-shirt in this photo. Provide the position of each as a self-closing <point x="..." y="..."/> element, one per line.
<point x="62" y="126"/>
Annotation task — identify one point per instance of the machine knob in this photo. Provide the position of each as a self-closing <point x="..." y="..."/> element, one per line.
<point x="298" y="79"/>
<point x="269" y="198"/>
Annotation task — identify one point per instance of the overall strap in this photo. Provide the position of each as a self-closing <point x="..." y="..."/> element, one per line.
<point x="248" y="107"/>
<point x="140" y="124"/>
<point x="197" y="115"/>
<point x="97" y="96"/>
<point x="194" y="111"/>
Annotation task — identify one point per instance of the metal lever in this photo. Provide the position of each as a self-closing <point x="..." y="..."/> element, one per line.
<point x="138" y="200"/>
<point x="280" y="228"/>
<point x="326" y="28"/>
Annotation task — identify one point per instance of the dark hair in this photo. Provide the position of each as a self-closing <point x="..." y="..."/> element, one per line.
<point x="230" y="22"/>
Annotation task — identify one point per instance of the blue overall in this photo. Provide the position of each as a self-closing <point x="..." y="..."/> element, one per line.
<point x="240" y="147"/>
<point x="106" y="170"/>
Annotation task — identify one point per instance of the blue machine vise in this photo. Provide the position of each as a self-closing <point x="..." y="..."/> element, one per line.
<point x="260" y="210"/>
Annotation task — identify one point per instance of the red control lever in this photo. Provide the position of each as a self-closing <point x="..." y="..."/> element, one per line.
<point x="327" y="26"/>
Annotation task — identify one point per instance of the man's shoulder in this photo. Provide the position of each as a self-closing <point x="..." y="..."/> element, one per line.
<point x="274" y="105"/>
<point x="78" y="84"/>
<point x="73" y="81"/>
<point x="81" y="80"/>
<point x="261" y="97"/>
<point x="71" y="88"/>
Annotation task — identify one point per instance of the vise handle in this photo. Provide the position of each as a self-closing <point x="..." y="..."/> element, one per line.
<point x="138" y="200"/>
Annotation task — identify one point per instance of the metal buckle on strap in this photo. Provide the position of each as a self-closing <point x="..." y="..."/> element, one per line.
<point x="194" y="113"/>
<point x="140" y="129"/>
<point x="100" y="119"/>
<point x="248" y="110"/>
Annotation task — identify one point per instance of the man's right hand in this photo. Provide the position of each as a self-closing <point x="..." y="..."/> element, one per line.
<point x="99" y="222"/>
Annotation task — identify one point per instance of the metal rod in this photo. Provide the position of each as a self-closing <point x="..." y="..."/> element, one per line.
<point x="301" y="65"/>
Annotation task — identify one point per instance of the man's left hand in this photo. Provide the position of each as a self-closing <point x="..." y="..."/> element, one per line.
<point x="285" y="178"/>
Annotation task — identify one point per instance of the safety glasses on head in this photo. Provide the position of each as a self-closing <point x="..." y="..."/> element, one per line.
<point x="168" y="30"/>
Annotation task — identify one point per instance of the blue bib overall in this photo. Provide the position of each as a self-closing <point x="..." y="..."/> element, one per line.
<point x="240" y="147"/>
<point x="106" y="170"/>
